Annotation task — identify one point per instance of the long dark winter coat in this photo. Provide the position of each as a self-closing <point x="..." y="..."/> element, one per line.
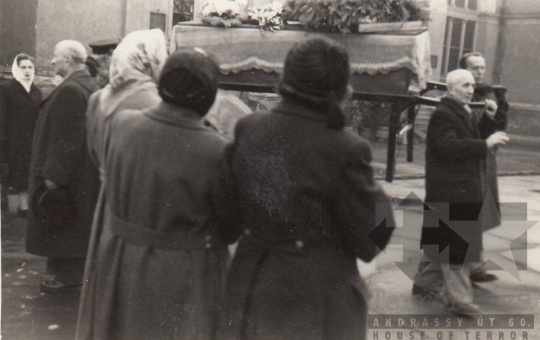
<point x="159" y="265"/>
<point x="18" y="113"/>
<point x="481" y="93"/>
<point x="455" y="155"/>
<point x="59" y="154"/>
<point x="309" y="200"/>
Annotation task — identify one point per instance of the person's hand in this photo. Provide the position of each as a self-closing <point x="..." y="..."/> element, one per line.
<point x="491" y="108"/>
<point x="496" y="139"/>
<point x="50" y="184"/>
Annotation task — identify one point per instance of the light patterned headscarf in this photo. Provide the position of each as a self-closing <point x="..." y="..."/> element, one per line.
<point x="136" y="64"/>
<point x="19" y="76"/>
<point x="139" y="52"/>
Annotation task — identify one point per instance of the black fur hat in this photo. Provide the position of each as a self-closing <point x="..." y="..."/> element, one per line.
<point x="190" y="79"/>
<point x="317" y="72"/>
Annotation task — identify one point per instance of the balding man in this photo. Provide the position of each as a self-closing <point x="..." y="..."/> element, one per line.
<point x="63" y="182"/>
<point x="455" y="150"/>
<point x="496" y="109"/>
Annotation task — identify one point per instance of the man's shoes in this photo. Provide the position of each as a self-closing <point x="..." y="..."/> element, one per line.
<point x="22" y="212"/>
<point x="419" y="290"/>
<point x="424" y="291"/>
<point x="57" y="287"/>
<point x="481" y="275"/>
<point x="465" y="309"/>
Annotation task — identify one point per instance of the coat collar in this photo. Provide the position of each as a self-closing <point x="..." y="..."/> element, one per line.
<point x="298" y="109"/>
<point x="81" y="77"/>
<point x="173" y="115"/>
<point x="458" y="108"/>
<point x="20" y="88"/>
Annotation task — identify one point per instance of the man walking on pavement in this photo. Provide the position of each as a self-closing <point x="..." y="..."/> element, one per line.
<point x="63" y="182"/>
<point x="454" y="152"/>
<point x="497" y="107"/>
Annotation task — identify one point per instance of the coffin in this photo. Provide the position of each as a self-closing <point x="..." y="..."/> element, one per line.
<point x="380" y="63"/>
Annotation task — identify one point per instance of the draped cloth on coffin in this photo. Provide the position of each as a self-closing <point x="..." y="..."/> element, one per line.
<point x="244" y="49"/>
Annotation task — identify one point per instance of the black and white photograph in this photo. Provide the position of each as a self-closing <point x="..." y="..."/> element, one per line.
<point x="270" y="169"/>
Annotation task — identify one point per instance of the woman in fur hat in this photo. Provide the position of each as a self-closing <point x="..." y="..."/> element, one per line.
<point x="310" y="203"/>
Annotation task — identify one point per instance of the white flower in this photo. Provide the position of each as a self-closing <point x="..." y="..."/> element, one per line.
<point x="221" y="6"/>
<point x="277" y="6"/>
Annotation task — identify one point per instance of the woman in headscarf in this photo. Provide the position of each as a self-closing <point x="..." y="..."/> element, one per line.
<point x="160" y="262"/>
<point x="19" y="107"/>
<point x="135" y="67"/>
<point x="310" y="204"/>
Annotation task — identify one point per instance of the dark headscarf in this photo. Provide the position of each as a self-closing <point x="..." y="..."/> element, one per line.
<point x="317" y="73"/>
<point x="190" y="79"/>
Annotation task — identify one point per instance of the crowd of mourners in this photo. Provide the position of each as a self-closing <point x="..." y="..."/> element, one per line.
<point x="136" y="173"/>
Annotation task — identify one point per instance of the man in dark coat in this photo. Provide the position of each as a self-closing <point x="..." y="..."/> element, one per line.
<point x="497" y="107"/>
<point x="62" y="177"/>
<point x="455" y="150"/>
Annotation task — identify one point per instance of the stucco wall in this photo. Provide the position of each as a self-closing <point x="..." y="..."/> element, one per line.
<point x="521" y="61"/>
<point x="487" y="37"/>
<point x="17" y="29"/>
<point x="81" y="20"/>
<point x="520" y="65"/>
<point x="521" y="6"/>
<point x="138" y="13"/>
<point x="436" y="28"/>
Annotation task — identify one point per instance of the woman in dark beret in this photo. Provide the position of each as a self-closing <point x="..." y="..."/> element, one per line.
<point x="310" y="203"/>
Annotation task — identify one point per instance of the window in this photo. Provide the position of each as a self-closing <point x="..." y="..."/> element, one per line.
<point x="470" y="4"/>
<point x="182" y="10"/>
<point x="458" y="39"/>
<point x="157" y="20"/>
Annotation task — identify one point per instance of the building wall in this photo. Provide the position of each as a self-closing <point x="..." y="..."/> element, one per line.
<point x="487" y="38"/>
<point x="436" y="26"/>
<point x="520" y="50"/>
<point x="17" y="29"/>
<point x="138" y="13"/>
<point x="80" y="20"/>
<point x="86" y="21"/>
<point x="521" y="6"/>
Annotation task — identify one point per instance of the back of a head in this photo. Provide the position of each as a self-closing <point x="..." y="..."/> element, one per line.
<point x="317" y="67"/>
<point x="317" y="72"/>
<point x="144" y="51"/>
<point x="74" y="49"/>
<point x="190" y="80"/>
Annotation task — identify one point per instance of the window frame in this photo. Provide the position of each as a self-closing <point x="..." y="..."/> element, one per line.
<point x="449" y="27"/>
<point x="452" y="3"/>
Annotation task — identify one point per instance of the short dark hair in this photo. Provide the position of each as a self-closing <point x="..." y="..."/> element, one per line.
<point x="24" y="56"/>
<point x="466" y="56"/>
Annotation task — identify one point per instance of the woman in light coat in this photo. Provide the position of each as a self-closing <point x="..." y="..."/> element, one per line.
<point x="135" y="67"/>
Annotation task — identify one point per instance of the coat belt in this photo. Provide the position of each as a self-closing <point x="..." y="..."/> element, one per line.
<point x="175" y="241"/>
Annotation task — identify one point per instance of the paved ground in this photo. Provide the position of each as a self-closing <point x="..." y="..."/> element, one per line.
<point x="391" y="286"/>
<point x="29" y="315"/>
